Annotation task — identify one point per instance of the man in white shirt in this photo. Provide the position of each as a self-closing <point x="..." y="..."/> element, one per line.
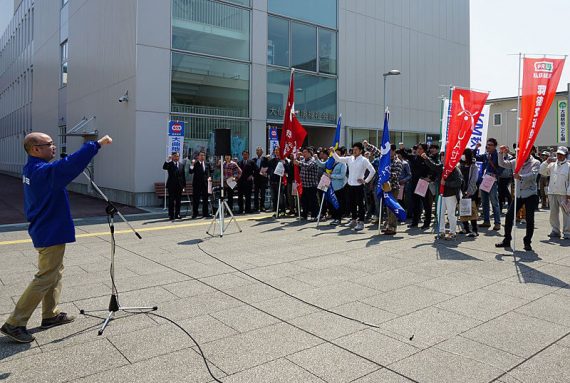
<point x="357" y="166"/>
<point x="558" y="191"/>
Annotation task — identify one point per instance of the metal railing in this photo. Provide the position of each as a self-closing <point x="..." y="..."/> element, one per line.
<point x="210" y="13"/>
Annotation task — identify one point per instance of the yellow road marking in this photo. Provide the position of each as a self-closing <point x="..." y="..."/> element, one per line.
<point x="140" y="230"/>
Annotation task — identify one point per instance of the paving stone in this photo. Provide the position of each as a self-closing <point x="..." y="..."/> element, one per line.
<point x="406" y="299"/>
<point x="330" y="276"/>
<point x="390" y="280"/>
<point x="480" y="352"/>
<point x="364" y="312"/>
<point x="517" y="334"/>
<point x="243" y="351"/>
<point x="383" y="375"/>
<point x="331" y="296"/>
<point x="553" y="308"/>
<point x="482" y="305"/>
<point x="456" y="283"/>
<point x="181" y="366"/>
<point x="433" y="365"/>
<point x="377" y="347"/>
<point x="550" y="366"/>
<point x="277" y="371"/>
<point x="68" y="363"/>
<point x="327" y="325"/>
<point x="244" y="318"/>
<point x="429" y="326"/>
<point x="286" y="307"/>
<point x="332" y="364"/>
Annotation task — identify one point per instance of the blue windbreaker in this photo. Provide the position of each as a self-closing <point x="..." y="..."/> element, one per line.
<point x="45" y="198"/>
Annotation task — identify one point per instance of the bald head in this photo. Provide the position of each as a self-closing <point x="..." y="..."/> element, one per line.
<point x="39" y="145"/>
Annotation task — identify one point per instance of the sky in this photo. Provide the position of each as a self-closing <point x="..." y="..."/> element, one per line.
<point x="503" y="27"/>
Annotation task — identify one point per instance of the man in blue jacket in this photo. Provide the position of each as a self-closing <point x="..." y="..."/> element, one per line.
<point x="51" y="227"/>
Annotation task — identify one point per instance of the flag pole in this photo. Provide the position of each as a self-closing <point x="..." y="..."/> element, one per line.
<point x="321" y="208"/>
<point x="439" y="197"/>
<point x="278" y="196"/>
<point x="517" y="151"/>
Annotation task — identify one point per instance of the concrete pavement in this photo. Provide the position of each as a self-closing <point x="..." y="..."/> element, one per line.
<point x="346" y="307"/>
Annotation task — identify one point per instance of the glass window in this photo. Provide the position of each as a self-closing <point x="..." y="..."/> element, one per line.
<point x="210" y="27"/>
<point x="411" y="139"/>
<point x="278" y="41"/>
<point x="322" y="12"/>
<point x="327" y="51"/>
<point x="209" y="86"/>
<point x="497" y="119"/>
<point x="200" y="134"/>
<point x="304" y="46"/>
<point x="315" y="97"/>
<point x="64" y="55"/>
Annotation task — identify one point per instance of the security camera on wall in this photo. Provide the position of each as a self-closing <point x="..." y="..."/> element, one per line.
<point x="125" y="97"/>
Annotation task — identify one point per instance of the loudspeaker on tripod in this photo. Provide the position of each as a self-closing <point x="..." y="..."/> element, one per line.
<point x="222" y="142"/>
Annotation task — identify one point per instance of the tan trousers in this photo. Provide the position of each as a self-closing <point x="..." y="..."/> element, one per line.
<point x="392" y="220"/>
<point x="45" y="287"/>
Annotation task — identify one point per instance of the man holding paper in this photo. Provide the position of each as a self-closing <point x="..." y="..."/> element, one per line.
<point x="491" y="171"/>
<point x="527" y="196"/>
<point x="558" y="191"/>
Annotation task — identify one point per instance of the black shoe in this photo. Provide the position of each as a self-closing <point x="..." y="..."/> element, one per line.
<point x="413" y="225"/>
<point x="171" y="218"/>
<point x="179" y="217"/>
<point x="424" y="226"/>
<point x="194" y="216"/>
<point x="503" y="244"/>
<point x="527" y="247"/>
<point x="17" y="333"/>
<point x="58" y="320"/>
<point x="208" y="216"/>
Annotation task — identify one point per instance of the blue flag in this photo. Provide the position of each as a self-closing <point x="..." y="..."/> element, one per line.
<point x="384" y="164"/>
<point x="384" y="173"/>
<point x="336" y="141"/>
<point x="329" y="194"/>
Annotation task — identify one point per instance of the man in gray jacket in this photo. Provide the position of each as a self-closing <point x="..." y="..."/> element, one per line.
<point x="527" y="195"/>
<point x="558" y="169"/>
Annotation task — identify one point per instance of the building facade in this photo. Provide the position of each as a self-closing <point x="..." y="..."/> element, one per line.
<point x="224" y="64"/>
<point x="554" y="130"/>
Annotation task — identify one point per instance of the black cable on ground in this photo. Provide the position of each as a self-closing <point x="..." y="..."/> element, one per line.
<point x="193" y="340"/>
<point x="270" y="314"/>
<point x="285" y="292"/>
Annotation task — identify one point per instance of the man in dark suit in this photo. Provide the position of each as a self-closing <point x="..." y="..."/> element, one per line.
<point x="175" y="184"/>
<point x="245" y="182"/>
<point x="260" y="180"/>
<point x="201" y="171"/>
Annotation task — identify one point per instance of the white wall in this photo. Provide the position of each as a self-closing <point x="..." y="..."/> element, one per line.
<point x="102" y="66"/>
<point x="427" y="40"/>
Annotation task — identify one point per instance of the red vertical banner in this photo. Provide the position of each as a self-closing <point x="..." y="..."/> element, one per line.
<point x="466" y="106"/>
<point x="540" y="80"/>
<point x="293" y="134"/>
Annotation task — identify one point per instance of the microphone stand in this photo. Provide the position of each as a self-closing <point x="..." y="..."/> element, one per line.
<point x="114" y="304"/>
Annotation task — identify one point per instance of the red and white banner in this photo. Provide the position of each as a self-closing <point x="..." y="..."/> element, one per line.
<point x="540" y="80"/>
<point x="466" y="107"/>
<point x="293" y="134"/>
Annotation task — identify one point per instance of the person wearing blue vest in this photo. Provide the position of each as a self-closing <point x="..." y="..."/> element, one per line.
<point x="51" y="227"/>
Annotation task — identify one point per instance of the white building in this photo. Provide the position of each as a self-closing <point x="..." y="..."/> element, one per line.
<point x="220" y="64"/>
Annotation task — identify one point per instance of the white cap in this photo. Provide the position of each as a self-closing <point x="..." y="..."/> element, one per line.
<point x="562" y="150"/>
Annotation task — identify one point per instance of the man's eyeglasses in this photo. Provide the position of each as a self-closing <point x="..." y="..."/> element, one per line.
<point x="46" y="144"/>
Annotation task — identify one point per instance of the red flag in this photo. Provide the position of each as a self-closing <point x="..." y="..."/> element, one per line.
<point x="540" y="80"/>
<point x="466" y="106"/>
<point x="293" y="134"/>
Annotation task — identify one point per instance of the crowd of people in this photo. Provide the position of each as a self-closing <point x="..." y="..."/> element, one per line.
<point x="544" y="179"/>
